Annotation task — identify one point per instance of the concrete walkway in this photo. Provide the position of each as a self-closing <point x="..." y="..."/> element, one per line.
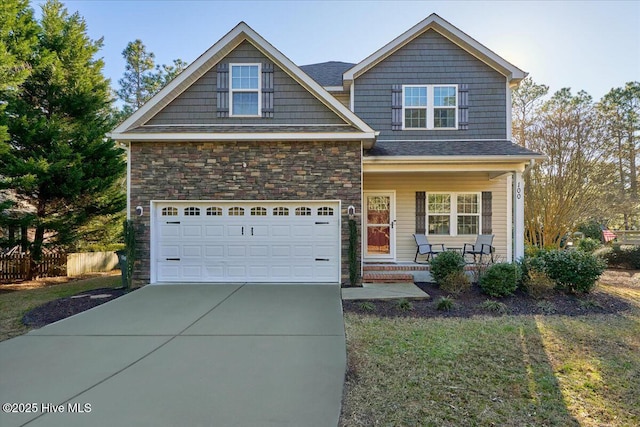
<point x="384" y="291"/>
<point x="184" y="355"/>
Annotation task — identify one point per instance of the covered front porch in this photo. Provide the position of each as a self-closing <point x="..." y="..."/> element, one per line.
<point x="450" y="203"/>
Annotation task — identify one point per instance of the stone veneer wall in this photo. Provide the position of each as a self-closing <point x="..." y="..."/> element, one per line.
<point x="243" y="171"/>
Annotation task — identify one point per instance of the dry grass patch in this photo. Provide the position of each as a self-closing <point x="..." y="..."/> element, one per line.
<point x="16" y="300"/>
<point x="449" y="372"/>
<point x="508" y="371"/>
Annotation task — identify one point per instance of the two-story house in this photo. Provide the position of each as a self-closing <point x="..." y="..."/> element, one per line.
<point x="246" y="167"/>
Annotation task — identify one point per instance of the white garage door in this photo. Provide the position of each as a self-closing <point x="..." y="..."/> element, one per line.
<point x="246" y="241"/>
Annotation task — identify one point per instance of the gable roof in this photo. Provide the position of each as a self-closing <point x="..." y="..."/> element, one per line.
<point x="241" y="32"/>
<point x="436" y="23"/>
<point x="327" y="73"/>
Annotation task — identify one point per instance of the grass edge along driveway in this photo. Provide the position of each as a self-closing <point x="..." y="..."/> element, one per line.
<point x="507" y="371"/>
<point x="17" y="300"/>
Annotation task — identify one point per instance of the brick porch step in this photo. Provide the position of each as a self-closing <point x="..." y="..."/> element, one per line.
<point x="395" y="267"/>
<point x="378" y="277"/>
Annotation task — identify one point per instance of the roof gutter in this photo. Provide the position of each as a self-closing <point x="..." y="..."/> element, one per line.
<point x="448" y="159"/>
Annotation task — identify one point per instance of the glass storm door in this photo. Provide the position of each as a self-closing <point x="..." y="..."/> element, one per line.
<point x="380" y="226"/>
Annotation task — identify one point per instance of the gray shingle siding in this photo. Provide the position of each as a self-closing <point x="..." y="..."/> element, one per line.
<point x="433" y="59"/>
<point x="292" y="103"/>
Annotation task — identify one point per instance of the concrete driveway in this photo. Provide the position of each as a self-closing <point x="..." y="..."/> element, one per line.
<point x="184" y="355"/>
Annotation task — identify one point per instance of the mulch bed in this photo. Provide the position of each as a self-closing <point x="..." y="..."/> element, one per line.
<point x="465" y="305"/>
<point x="470" y="303"/>
<point x="65" y="307"/>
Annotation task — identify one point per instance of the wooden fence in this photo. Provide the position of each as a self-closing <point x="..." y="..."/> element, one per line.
<point x="16" y="266"/>
<point x="628" y="237"/>
<point x="90" y="262"/>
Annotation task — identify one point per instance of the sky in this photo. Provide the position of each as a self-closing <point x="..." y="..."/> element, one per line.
<point x="585" y="45"/>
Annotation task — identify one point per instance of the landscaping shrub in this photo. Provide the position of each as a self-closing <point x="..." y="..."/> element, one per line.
<point x="367" y="306"/>
<point x="405" y="305"/>
<point x="500" y="279"/>
<point x="588" y="244"/>
<point x="456" y="283"/>
<point x="546" y="307"/>
<point x="444" y="304"/>
<point x="591" y="229"/>
<point x="533" y="279"/>
<point x="495" y="307"/>
<point x="445" y="264"/>
<point x="573" y="271"/>
<point x="354" y="262"/>
<point x="623" y="257"/>
<point x="538" y="284"/>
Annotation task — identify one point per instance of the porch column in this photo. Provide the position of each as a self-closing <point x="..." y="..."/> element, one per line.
<point x="518" y="216"/>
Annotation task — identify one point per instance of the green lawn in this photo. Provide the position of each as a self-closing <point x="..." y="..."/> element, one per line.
<point x="502" y="371"/>
<point x="16" y="300"/>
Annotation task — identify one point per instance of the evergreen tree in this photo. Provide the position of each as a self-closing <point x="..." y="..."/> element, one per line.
<point x="18" y="31"/>
<point x="58" y="159"/>
<point x="139" y="82"/>
<point x="142" y="78"/>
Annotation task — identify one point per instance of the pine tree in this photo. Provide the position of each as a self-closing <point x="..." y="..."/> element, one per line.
<point x="58" y="159"/>
<point x="139" y="82"/>
<point x="18" y="31"/>
<point x="142" y="77"/>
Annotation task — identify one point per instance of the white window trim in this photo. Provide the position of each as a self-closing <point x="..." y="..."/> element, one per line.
<point x="259" y="90"/>
<point x="453" y="214"/>
<point x="430" y="107"/>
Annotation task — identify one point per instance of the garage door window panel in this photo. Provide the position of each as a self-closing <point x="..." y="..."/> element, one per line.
<point x="259" y="211"/>
<point x="236" y="211"/>
<point x="191" y="211"/>
<point x="281" y="211"/>
<point x="214" y="211"/>
<point x="303" y="211"/>
<point x="325" y="211"/>
<point x="169" y="211"/>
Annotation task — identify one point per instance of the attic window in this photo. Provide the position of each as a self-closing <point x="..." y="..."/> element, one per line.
<point x="245" y="90"/>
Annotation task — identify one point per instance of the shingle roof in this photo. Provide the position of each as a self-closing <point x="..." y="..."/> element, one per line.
<point x="327" y="73"/>
<point x="449" y="148"/>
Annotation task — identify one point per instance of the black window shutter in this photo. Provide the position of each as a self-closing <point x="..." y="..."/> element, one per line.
<point x="396" y="107"/>
<point x="420" y="212"/>
<point x="223" y="90"/>
<point x="267" y="91"/>
<point x="463" y="106"/>
<point x="486" y="212"/>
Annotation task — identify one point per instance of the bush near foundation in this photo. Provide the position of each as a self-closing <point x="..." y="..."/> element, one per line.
<point x="446" y="264"/>
<point x="573" y="271"/>
<point x="500" y="279"/>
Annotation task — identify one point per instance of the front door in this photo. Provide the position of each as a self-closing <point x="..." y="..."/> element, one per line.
<point x="380" y="225"/>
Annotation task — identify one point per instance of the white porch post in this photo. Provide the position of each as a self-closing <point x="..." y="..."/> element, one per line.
<point x="518" y="215"/>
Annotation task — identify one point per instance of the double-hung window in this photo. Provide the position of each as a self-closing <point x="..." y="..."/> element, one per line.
<point x="429" y="106"/>
<point x="245" y="90"/>
<point x="453" y="214"/>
